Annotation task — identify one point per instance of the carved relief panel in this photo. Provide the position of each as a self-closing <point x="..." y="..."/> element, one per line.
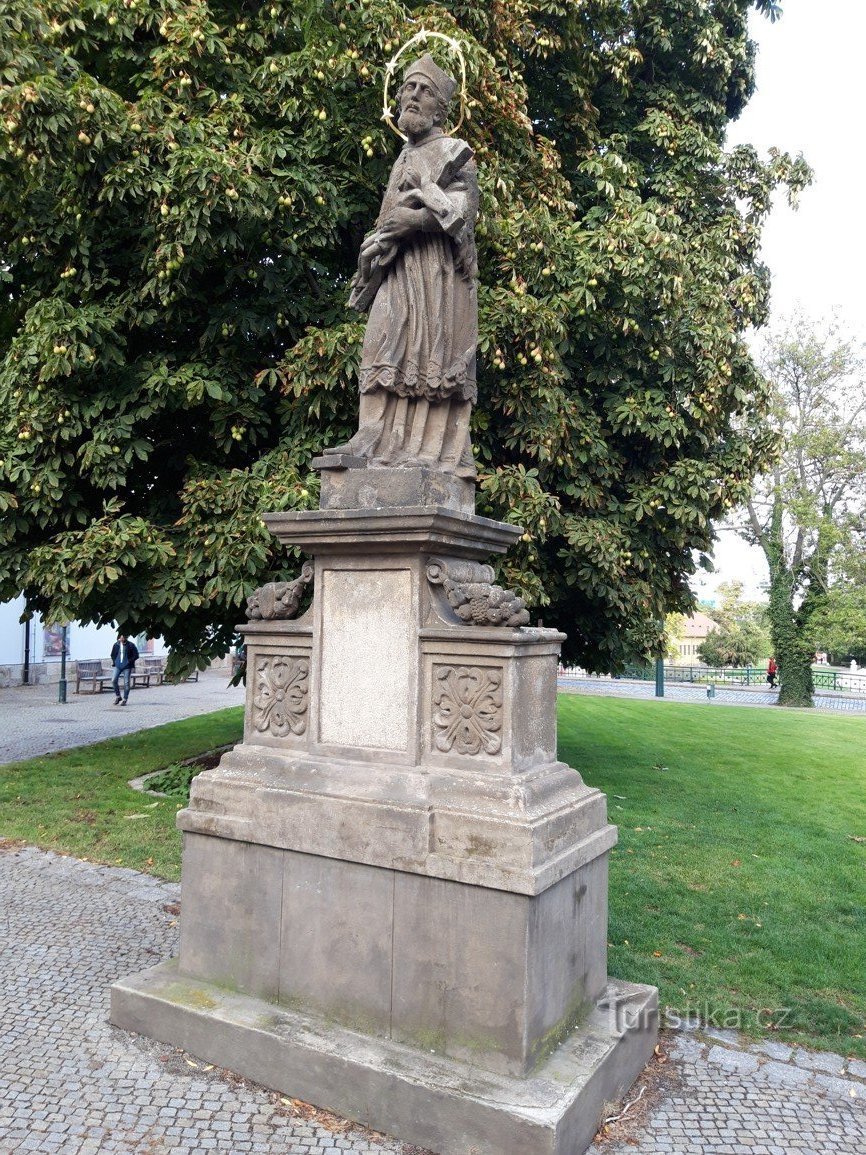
<point x="467" y="709"/>
<point x="280" y="696"/>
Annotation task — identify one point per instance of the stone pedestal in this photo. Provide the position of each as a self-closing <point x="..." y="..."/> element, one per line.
<point x="394" y="895"/>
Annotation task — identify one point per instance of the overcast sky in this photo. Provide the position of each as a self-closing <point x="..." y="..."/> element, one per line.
<point x="809" y="99"/>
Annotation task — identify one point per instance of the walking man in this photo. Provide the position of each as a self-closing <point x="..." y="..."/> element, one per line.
<point x="124" y="655"/>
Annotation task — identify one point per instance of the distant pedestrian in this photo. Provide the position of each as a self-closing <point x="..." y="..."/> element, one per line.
<point x="772" y="671"/>
<point x="124" y="655"/>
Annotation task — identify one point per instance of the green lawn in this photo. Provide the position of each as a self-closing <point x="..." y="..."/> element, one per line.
<point x="738" y="886"/>
<point x="739" y="883"/>
<point x="79" y="801"/>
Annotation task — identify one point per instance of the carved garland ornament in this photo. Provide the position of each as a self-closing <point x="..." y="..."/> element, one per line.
<point x="279" y="599"/>
<point x="467" y="709"/>
<point x="470" y="591"/>
<point x="281" y="695"/>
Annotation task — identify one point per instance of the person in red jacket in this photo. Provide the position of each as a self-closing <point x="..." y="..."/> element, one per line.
<point x="772" y="670"/>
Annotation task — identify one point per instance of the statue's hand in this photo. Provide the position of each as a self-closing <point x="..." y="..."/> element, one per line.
<point x="400" y="222"/>
<point x="411" y="199"/>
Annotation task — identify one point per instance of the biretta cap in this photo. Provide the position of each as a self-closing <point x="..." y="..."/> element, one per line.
<point x="444" y="84"/>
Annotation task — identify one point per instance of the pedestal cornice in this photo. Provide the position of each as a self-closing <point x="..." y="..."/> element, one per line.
<point x="418" y="529"/>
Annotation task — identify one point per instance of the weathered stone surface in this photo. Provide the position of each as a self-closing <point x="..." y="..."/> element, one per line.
<point x="339" y="461"/>
<point x="418" y="276"/>
<point x="446" y="1105"/>
<point x="391" y="488"/>
<point x="521" y="836"/>
<point x="472" y="596"/>
<point x="490" y="976"/>
<point x="421" y="530"/>
<point x="278" y="683"/>
<point x="279" y="599"/>
<point x="231" y="910"/>
<point x="336" y="927"/>
<point x="395" y="850"/>
<point x="368" y="662"/>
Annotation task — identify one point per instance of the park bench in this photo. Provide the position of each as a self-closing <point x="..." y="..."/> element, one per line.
<point x="155" y="668"/>
<point x="149" y="670"/>
<point x="92" y="673"/>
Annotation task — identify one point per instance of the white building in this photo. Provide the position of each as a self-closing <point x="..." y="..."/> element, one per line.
<point x="82" y="642"/>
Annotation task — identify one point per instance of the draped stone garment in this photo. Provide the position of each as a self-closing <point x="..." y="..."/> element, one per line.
<point x="419" y="346"/>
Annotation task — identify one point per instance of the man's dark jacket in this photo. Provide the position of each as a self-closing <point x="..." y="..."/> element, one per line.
<point x="131" y="655"/>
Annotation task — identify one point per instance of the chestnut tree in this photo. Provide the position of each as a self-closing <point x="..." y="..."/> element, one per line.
<point x="184" y="185"/>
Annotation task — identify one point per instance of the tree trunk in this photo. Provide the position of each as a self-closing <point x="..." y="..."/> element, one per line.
<point x="793" y="655"/>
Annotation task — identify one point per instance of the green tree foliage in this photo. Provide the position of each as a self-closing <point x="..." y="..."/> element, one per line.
<point x="837" y="624"/>
<point x="742" y="637"/>
<point x="183" y="189"/>
<point x="734" y="644"/>
<point x="806" y="512"/>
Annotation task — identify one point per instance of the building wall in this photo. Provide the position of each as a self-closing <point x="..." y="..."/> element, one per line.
<point x="83" y="642"/>
<point x="695" y="630"/>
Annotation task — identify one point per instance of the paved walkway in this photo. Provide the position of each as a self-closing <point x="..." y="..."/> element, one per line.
<point x="726" y="1096"/>
<point x="33" y="722"/>
<point x="72" y="1084"/>
<point x="622" y="688"/>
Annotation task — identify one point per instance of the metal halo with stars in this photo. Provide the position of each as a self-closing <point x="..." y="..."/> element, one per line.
<point x="391" y="67"/>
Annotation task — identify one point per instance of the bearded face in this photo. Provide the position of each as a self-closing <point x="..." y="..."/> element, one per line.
<point x="414" y="123"/>
<point x="421" y="107"/>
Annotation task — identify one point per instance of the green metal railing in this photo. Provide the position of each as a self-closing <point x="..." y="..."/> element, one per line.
<point x="836" y="681"/>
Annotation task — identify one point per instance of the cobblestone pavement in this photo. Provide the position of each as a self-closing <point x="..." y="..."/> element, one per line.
<point x="72" y="1084"/>
<point x="33" y="722"/>
<point x="615" y="688"/>
<point x="740" y="1098"/>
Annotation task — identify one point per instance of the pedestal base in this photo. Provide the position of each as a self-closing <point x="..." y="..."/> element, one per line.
<point x="445" y="1105"/>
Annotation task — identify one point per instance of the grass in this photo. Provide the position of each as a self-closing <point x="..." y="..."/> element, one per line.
<point x="79" y="801"/>
<point x="739" y="883"/>
<point x="738" y="886"/>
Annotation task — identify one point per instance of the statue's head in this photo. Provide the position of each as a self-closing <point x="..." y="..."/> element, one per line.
<point x="424" y="96"/>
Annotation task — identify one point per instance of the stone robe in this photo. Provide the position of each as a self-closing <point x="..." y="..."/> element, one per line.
<point x="418" y="363"/>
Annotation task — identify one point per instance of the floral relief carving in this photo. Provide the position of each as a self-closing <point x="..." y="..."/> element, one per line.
<point x="467" y="709"/>
<point x="281" y="695"/>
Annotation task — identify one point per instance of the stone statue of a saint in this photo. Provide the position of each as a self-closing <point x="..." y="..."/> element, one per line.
<point x="417" y="275"/>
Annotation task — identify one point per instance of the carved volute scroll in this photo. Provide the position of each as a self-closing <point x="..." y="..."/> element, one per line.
<point x="279" y="600"/>
<point x="469" y="589"/>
